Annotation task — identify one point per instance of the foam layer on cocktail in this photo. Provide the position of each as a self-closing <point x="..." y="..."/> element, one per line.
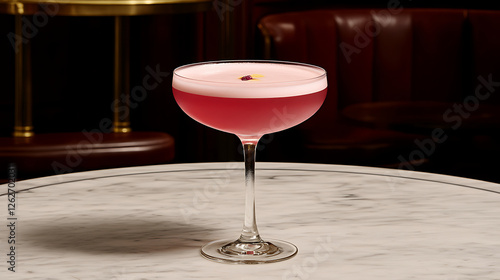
<point x="270" y="79"/>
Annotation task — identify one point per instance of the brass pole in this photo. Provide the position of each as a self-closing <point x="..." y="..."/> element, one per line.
<point x="121" y="108"/>
<point x="23" y="126"/>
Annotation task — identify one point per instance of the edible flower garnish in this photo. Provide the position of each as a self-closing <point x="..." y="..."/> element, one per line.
<point x="250" y="77"/>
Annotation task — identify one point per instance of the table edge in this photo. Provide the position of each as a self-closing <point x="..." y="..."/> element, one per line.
<point x="393" y="176"/>
<point x="102" y="8"/>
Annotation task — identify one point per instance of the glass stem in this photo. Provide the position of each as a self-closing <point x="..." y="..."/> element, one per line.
<point x="250" y="233"/>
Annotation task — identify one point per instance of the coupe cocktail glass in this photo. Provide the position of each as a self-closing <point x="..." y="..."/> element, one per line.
<point x="249" y="99"/>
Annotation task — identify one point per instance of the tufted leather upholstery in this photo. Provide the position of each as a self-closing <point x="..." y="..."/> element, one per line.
<point x="386" y="55"/>
<point x="373" y="55"/>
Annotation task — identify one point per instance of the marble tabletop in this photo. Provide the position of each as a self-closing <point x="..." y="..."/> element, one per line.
<point x="348" y="222"/>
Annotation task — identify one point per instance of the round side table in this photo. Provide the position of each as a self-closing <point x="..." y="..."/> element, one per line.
<point x="25" y="144"/>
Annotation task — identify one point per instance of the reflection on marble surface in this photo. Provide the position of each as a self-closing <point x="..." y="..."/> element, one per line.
<point x="348" y="223"/>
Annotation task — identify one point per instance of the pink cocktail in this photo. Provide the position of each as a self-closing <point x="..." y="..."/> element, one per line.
<point x="249" y="99"/>
<point x="249" y="116"/>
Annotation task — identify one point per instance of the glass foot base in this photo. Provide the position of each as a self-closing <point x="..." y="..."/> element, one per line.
<point x="236" y="252"/>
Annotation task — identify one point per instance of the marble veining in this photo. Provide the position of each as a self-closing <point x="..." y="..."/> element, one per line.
<point x="348" y="222"/>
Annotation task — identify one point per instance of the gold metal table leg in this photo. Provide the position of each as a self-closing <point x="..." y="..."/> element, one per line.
<point x="23" y="125"/>
<point x="121" y="108"/>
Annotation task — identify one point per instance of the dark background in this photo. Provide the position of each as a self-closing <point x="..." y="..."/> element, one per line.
<point x="72" y="60"/>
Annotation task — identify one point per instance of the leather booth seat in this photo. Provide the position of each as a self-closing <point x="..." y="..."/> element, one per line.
<point x="387" y="55"/>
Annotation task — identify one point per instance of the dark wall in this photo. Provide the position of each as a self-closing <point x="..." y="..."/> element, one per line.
<point x="73" y="69"/>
